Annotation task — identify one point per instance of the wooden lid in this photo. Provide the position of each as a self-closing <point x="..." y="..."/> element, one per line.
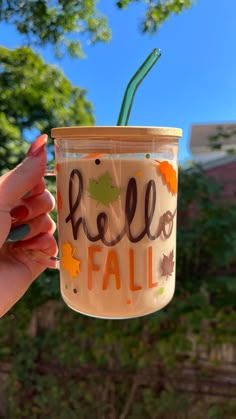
<point x="117" y="133"/>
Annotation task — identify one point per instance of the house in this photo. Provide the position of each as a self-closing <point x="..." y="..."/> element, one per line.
<point x="214" y="147"/>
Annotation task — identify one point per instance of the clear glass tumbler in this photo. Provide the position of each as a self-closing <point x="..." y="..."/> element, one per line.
<point x="117" y="208"/>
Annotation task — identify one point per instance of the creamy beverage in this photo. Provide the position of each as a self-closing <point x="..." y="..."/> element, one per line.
<point x="117" y="229"/>
<point x="117" y="220"/>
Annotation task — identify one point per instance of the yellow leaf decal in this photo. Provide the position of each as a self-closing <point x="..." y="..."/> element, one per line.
<point x="168" y="174"/>
<point x="68" y="262"/>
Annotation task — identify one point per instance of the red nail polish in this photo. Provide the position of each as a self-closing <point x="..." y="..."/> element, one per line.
<point x="38" y="146"/>
<point x="37" y="152"/>
<point x="19" y="213"/>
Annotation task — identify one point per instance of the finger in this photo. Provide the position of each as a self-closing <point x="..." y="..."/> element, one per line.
<point x="5" y="225"/>
<point x="38" y="253"/>
<point x="40" y="204"/>
<point x="33" y="207"/>
<point x="41" y="224"/>
<point x="17" y="182"/>
<point x="44" y="242"/>
<point x="37" y="190"/>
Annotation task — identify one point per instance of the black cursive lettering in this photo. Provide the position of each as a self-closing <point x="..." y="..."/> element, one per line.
<point x="165" y="223"/>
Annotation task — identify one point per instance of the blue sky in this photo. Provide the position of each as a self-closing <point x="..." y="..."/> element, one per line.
<point x="193" y="82"/>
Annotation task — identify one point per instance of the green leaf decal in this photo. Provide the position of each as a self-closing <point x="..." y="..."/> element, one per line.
<point x="160" y="291"/>
<point x="102" y="191"/>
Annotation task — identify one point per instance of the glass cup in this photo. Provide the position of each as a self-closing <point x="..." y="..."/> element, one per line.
<point x="117" y="208"/>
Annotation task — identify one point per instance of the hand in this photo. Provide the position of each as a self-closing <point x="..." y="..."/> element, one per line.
<point x="26" y="229"/>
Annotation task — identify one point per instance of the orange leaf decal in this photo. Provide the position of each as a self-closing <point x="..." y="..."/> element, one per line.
<point x="59" y="200"/>
<point x="168" y="174"/>
<point x="93" y="156"/>
<point x="68" y="262"/>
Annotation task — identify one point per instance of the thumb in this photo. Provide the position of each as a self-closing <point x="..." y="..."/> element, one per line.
<point x="19" y="181"/>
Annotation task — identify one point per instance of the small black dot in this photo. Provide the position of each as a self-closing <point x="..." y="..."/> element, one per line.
<point x="75" y="290"/>
<point x="97" y="161"/>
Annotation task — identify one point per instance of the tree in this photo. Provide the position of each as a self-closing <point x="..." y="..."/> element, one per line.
<point x="93" y="368"/>
<point x="53" y="22"/>
<point x="66" y="24"/>
<point x="158" y="11"/>
<point x="149" y="367"/>
<point x="28" y="100"/>
<point x="206" y="238"/>
<point x="216" y="142"/>
<point x="35" y="97"/>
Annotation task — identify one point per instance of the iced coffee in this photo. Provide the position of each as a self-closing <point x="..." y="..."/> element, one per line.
<point x="117" y="210"/>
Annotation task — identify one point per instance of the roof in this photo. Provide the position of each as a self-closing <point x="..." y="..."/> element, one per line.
<point x="221" y="161"/>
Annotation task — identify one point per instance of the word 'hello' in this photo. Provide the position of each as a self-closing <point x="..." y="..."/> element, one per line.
<point x="165" y="222"/>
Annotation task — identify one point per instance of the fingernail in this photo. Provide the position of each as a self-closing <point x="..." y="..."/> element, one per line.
<point x="38" y="146"/>
<point x="36" y="152"/>
<point x="19" y="213"/>
<point x="18" y="233"/>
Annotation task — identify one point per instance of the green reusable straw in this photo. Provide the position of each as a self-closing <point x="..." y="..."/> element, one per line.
<point x="133" y="85"/>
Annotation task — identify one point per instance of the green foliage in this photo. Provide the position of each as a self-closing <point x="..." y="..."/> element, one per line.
<point x="83" y="367"/>
<point x="217" y="141"/>
<point x="64" y="365"/>
<point x="55" y="22"/>
<point x="68" y="24"/>
<point x="158" y="11"/>
<point x="210" y="234"/>
<point x="35" y="97"/>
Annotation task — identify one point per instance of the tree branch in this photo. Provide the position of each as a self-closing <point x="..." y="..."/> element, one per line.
<point x="130" y="398"/>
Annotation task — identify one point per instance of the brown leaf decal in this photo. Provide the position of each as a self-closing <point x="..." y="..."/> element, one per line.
<point x="167" y="264"/>
<point x="168" y="174"/>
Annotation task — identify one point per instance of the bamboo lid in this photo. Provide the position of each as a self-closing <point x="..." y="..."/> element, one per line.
<point x="121" y="133"/>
